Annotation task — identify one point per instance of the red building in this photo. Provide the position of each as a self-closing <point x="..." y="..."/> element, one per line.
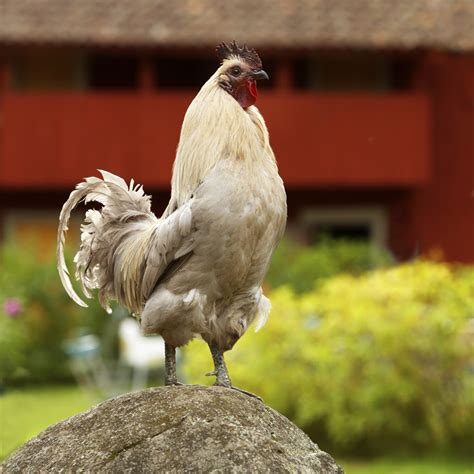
<point x="370" y="107"/>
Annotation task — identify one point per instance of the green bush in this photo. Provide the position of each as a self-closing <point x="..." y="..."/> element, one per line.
<point x="13" y="344"/>
<point x="302" y="266"/>
<point x="374" y="362"/>
<point x="32" y="338"/>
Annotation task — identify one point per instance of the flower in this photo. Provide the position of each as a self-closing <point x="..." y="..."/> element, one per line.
<point x="12" y="307"/>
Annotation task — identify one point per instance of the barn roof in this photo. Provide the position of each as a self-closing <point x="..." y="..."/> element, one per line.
<point x="287" y="24"/>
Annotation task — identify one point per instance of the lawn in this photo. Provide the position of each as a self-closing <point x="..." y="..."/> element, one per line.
<point x="408" y="466"/>
<point x="26" y="412"/>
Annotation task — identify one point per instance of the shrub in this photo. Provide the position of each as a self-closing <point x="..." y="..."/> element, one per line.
<point x="378" y="361"/>
<point x="32" y="347"/>
<point x="302" y="266"/>
<point x="13" y="343"/>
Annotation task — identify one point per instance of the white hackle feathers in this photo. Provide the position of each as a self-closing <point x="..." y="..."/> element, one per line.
<point x="242" y="135"/>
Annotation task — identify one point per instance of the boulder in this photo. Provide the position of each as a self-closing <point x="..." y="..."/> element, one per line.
<point x="173" y="429"/>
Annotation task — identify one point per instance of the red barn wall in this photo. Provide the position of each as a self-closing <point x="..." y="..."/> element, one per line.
<point x="443" y="209"/>
<point x="418" y="149"/>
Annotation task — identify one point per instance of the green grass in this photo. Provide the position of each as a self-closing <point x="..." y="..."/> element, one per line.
<point x="408" y="466"/>
<point x="24" y="413"/>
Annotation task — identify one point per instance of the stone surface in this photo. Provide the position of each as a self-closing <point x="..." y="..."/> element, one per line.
<point x="173" y="429"/>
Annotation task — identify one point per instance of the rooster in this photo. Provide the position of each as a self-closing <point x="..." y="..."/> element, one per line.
<point x="197" y="270"/>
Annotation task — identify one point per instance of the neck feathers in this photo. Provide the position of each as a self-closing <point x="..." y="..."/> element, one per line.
<point x="215" y="127"/>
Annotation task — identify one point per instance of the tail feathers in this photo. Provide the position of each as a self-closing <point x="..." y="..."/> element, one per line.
<point x="78" y="195"/>
<point x="125" y="210"/>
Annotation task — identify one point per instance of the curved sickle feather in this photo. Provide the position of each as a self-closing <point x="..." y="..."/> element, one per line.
<point x="74" y="199"/>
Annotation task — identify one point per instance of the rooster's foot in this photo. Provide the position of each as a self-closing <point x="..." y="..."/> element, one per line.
<point x="221" y="373"/>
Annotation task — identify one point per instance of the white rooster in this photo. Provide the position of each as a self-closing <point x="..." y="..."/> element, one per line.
<point x="198" y="269"/>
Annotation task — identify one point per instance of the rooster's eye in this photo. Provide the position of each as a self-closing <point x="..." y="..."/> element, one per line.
<point x="235" y="71"/>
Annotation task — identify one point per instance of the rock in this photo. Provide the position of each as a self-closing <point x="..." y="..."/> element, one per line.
<point x="173" y="429"/>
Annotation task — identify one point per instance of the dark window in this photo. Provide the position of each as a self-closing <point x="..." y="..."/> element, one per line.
<point x="112" y="72"/>
<point x="402" y="72"/>
<point x="346" y="231"/>
<point x="355" y="71"/>
<point x="183" y="73"/>
<point x="47" y="68"/>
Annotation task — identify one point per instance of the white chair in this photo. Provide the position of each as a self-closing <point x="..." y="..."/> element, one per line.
<point x="139" y="352"/>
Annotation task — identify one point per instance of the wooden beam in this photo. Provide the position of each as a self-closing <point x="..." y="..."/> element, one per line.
<point x="146" y="75"/>
<point x="283" y="75"/>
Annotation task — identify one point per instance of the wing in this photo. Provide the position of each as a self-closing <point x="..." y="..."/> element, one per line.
<point x="170" y="244"/>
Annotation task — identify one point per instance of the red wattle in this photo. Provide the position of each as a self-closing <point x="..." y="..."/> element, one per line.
<point x="253" y="88"/>
<point x="246" y="95"/>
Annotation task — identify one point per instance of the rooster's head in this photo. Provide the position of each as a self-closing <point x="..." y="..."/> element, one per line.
<point x="241" y="68"/>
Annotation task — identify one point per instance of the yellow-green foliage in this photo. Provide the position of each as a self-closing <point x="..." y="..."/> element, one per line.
<point x="302" y="266"/>
<point x="385" y="357"/>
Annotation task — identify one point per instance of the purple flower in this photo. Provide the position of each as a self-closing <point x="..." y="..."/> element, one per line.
<point x="12" y="307"/>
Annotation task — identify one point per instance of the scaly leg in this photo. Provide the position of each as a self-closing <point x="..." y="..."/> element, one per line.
<point x="170" y="365"/>
<point x="221" y="373"/>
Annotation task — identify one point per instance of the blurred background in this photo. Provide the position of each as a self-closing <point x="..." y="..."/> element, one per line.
<point x="370" y="108"/>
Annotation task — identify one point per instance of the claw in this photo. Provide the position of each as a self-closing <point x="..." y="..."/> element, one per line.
<point x="212" y="374"/>
<point x="250" y="394"/>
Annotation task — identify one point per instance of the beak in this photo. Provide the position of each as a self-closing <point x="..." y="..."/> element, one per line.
<point x="257" y="75"/>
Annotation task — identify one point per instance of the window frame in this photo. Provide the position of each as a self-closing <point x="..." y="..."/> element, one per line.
<point x="375" y="216"/>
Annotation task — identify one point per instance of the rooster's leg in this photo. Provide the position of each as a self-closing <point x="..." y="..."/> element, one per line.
<point x="222" y="376"/>
<point x="221" y="373"/>
<point x="170" y="365"/>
